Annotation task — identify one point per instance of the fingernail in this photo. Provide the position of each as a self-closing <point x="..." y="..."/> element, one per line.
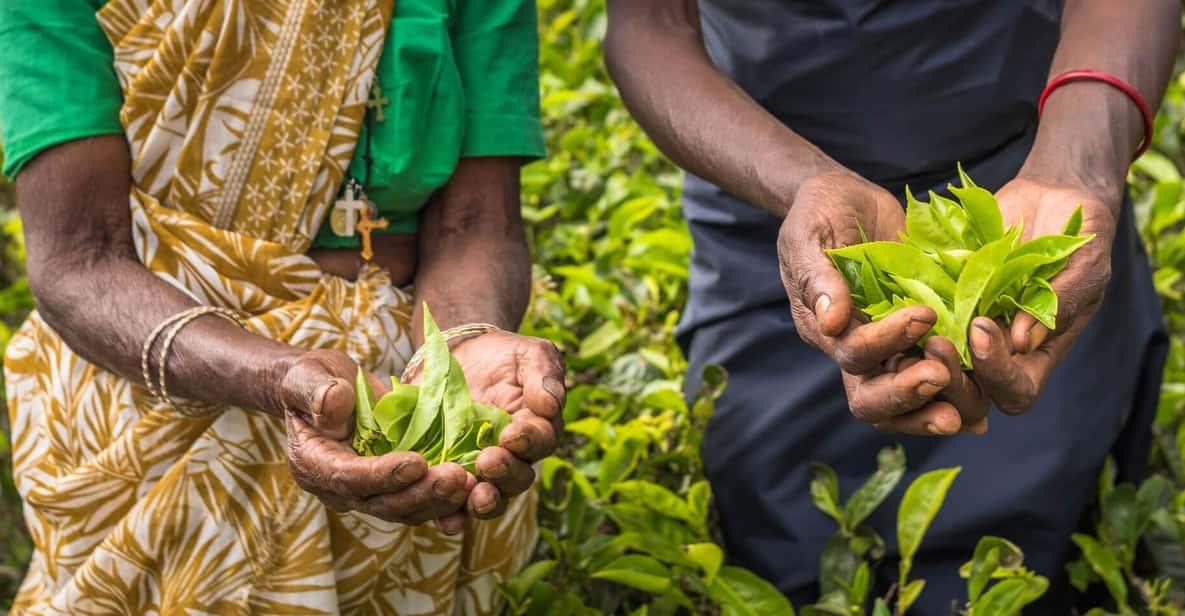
<point x="554" y="387"/>
<point x="442" y="491"/>
<point x="916" y="329"/>
<point x="484" y="509"/>
<point x="499" y="471"/>
<point x="822" y="305"/>
<point x="1035" y="339"/>
<point x="933" y="429"/>
<point x="406" y="472"/>
<point x="927" y="389"/>
<point x="981" y="341"/>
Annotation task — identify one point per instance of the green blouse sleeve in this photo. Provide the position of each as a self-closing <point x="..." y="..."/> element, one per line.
<point x="57" y="82"/>
<point x="497" y="51"/>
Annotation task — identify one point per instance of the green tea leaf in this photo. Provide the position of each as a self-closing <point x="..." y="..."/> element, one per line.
<point x="902" y="261"/>
<point x="1040" y="301"/>
<point x="881" y="608"/>
<point x="641" y="572"/>
<point x="739" y="592"/>
<point x="456" y="405"/>
<point x="928" y="227"/>
<point x="837" y="564"/>
<point x="651" y="544"/>
<point x="909" y="594"/>
<point x="699" y="499"/>
<point x="872" y="291"/>
<point x="394" y="410"/>
<point x="654" y="497"/>
<point x="954" y="260"/>
<point x="709" y="557"/>
<point x="869" y="496"/>
<point x="1103" y="562"/>
<point x="431" y="399"/>
<point x="983" y="212"/>
<point x="1074" y="223"/>
<point x="918" y="507"/>
<point x="1008" y="597"/>
<point x="974" y="280"/>
<point x="825" y="492"/>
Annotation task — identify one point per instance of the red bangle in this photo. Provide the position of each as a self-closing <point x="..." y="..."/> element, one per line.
<point x="1113" y="81"/>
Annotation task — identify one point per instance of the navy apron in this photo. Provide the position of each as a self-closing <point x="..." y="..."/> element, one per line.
<point x="899" y="92"/>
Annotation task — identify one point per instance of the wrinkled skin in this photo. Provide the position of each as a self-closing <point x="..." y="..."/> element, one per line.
<point x="930" y="395"/>
<point x="523" y="376"/>
<point x="1012" y="368"/>
<point x="318" y="397"/>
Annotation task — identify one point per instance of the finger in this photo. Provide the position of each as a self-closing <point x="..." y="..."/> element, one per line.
<point x="325" y="466"/>
<point x="452" y="524"/>
<point x="1027" y="333"/>
<point x="441" y="492"/>
<point x="529" y="437"/>
<point x="326" y="401"/>
<point x="511" y="475"/>
<point x="865" y="348"/>
<point x="876" y="399"/>
<point x="933" y="419"/>
<point x="978" y="428"/>
<point x="541" y="373"/>
<point x="962" y="391"/>
<point x="811" y="278"/>
<point x="486" y="502"/>
<point x="1010" y="381"/>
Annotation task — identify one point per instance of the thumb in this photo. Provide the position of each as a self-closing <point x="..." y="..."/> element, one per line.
<point x="811" y="279"/>
<point x="324" y="400"/>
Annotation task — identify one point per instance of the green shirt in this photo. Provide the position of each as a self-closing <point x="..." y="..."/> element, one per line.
<point x="461" y="78"/>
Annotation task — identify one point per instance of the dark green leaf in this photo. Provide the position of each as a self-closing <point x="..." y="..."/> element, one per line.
<point x="869" y="496"/>
<point x="825" y="492"/>
<point x="1105" y="565"/>
<point x="741" y="593"/>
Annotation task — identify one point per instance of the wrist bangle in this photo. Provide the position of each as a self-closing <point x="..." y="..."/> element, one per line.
<point x="461" y="331"/>
<point x="1113" y="81"/>
<point x="178" y="322"/>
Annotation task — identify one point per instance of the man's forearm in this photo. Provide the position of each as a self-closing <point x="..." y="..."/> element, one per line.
<point x="1089" y="129"/>
<point x="92" y="289"/>
<point x="698" y="117"/>
<point x="474" y="265"/>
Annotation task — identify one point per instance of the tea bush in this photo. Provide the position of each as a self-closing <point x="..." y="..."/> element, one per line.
<point x="626" y="515"/>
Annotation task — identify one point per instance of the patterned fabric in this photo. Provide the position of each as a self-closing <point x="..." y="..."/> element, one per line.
<point x="240" y="117"/>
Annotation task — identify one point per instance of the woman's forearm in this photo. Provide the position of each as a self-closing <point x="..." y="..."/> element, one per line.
<point x="1089" y="129"/>
<point x="92" y="289"/>
<point x="698" y="117"/>
<point x="474" y="265"/>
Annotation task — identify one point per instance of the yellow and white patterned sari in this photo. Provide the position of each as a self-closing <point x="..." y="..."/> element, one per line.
<point x="241" y="117"/>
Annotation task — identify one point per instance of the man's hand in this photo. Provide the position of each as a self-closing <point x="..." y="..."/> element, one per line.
<point x="317" y="394"/>
<point x="926" y="396"/>
<point x="525" y="377"/>
<point x="1012" y="368"/>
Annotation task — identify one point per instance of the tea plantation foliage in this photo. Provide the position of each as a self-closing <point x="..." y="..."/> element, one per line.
<point x="627" y="518"/>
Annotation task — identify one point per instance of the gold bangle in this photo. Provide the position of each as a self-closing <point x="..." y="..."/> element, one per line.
<point x="461" y="331"/>
<point x="179" y="322"/>
<point x="146" y="352"/>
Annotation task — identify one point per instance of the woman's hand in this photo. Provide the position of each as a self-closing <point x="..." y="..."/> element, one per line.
<point x="1012" y="368"/>
<point x="317" y="399"/>
<point x="927" y="396"/>
<point x="525" y="377"/>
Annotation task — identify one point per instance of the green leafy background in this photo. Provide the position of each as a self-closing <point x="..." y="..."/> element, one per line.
<point x="627" y="518"/>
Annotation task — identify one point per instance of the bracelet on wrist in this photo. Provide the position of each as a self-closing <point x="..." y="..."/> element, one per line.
<point x="468" y="330"/>
<point x="1113" y="81"/>
<point x="160" y="389"/>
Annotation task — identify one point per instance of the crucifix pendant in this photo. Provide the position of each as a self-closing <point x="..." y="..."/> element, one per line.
<point x="365" y="226"/>
<point x="354" y="214"/>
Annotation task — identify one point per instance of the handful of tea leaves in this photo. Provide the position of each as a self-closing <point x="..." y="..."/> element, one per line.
<point x="958" y="259"/>
<point x="438" y="419"/>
